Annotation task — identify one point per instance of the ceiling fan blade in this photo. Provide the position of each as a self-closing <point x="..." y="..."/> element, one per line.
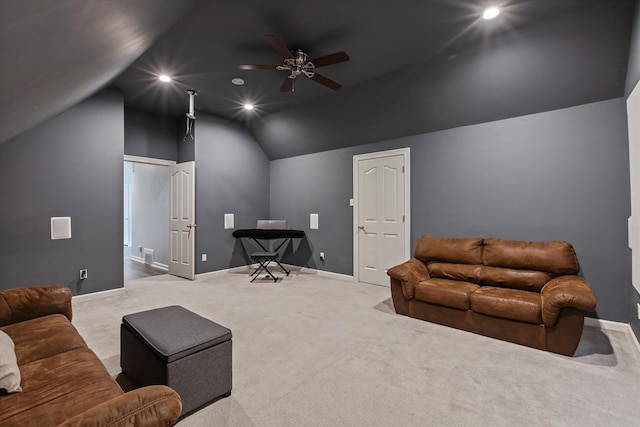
<point x="333" y="58"/>
<point x="325" y="81"/>
<point x="257" y="67"/>
<point x="287" y="85"/>
<point x="279" y="46"/>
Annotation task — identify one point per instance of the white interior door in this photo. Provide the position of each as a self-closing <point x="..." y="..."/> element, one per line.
<point x="381" y="215"/>
<point x="182" y="235"/>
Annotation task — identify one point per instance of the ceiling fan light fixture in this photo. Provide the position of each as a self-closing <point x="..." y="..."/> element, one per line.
<point x="248" y="106"/>
<point x="491" y="13"/>
<point x="164" y="78"/>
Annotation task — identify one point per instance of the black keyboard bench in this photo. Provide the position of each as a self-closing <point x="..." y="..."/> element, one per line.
<point x="264" y="258"/>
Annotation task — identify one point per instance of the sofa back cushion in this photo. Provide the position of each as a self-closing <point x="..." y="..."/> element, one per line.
<point x="557" y="257"/>
<point x="526" y="280"/>
<point x="449" y="250"/>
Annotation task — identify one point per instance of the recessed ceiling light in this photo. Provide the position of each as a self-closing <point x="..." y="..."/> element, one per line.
<point x="248" y="106"/>
<point x="237" y="81"/>
<point x="164" y="78"/>
<point x="491" y="13"/>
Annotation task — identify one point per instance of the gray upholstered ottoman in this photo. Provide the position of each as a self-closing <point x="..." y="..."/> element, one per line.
<point x="175" y="347"/>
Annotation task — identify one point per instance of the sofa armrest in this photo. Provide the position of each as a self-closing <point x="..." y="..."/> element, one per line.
<point x="565" y="291"/>
<point x="20" y="304"/>
<point x="409" y="273"/>
<point x="151" y="406"/>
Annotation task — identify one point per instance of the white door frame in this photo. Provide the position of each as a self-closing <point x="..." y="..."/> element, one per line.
<point x="633" y="114"/>
<point x="407" y="201"/>
<point x="149" y="161"/>
<point x="127" y="214"/>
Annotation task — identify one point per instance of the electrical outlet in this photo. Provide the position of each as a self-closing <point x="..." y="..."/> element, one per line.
<point x="321" y="256"/>
<point x="204" y="257"/>
<point x="83" y="274"/>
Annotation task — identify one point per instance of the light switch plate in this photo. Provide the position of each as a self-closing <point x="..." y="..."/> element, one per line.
<point x="313" y="221"/>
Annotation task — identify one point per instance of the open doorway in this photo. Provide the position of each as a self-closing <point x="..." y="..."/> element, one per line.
<point x="146" y="217"/>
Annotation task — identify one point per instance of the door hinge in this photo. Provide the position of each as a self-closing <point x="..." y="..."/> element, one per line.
<point x="402" y="218"/>
<point x="402" y="168"/>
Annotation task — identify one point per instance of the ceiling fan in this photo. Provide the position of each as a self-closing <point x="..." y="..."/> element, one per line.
<point x="297" y="63"/>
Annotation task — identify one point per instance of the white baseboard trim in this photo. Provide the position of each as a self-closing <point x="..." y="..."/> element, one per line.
<point x="251" y="267"/>
<point x="323" y="273"/>
<point x="613" y="326"/>
<point x="160" y="266"/>
<point x="606" y="324"/>
<point x="242" y="268"/>
<point x="98" y="295"/>
<point x="154" y="265"/>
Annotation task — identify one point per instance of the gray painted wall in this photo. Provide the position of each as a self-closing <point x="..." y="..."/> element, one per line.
<point x="561" y="174"/>
<point x="150" y="135"/>
<point x="186" y="143"/>
<point x="232" y="176"/>
<point x="316" y="183"/>
<point x="635" y="324"/>
<point x="633" y="70"/>
<point x="69" y="166"/>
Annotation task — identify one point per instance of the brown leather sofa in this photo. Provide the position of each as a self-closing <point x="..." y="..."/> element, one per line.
<point x="63" y="382"/>
<point x="523" y="292"/>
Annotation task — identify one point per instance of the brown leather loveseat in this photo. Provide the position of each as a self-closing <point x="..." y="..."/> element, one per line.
<point x="523" y="292"/>
<point x="63" y="382"/>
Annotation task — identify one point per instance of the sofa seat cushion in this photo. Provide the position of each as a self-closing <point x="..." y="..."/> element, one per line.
<point x="449" y="293"/>
<point x="43" y="337"/>
<point x="526" y="280"/>
<point x="57" y="388"/>
<point x="513" y="304"/>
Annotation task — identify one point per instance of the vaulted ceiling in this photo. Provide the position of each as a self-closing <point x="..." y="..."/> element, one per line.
<point x="415" y="65"/>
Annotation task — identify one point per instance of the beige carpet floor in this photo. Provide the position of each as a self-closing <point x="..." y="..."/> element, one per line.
<point x="318" y="351"/>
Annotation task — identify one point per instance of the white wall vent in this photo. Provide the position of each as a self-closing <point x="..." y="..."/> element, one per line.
<point x="60" y="227"/>
<point x="148" y="256"/>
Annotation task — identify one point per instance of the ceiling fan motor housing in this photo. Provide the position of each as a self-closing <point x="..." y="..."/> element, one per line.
<point x="297" y="65"/>
<point x="297" y="62"/>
